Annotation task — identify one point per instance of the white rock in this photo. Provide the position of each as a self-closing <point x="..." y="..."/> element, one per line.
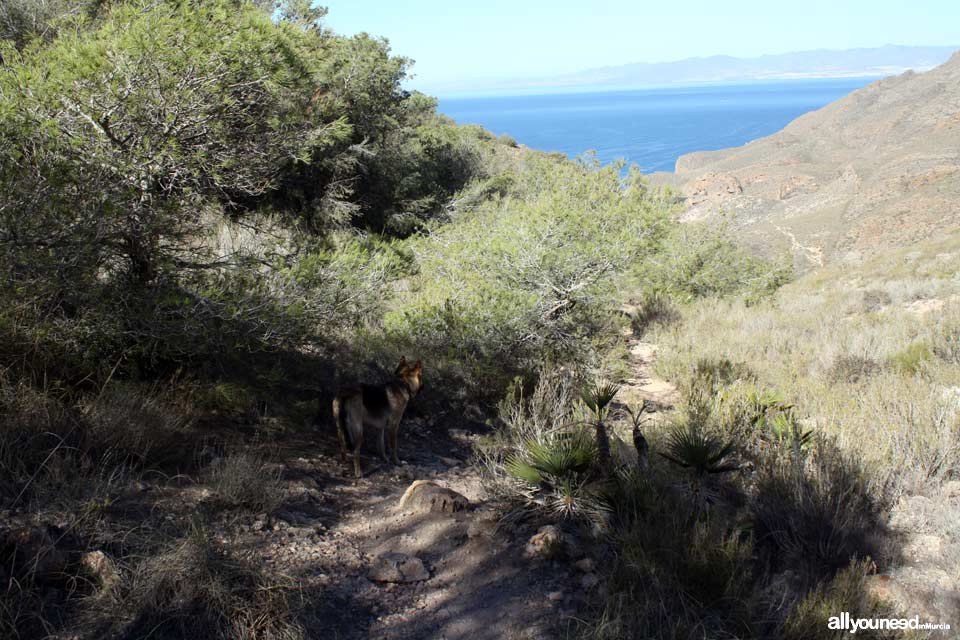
<point x="398" y="567"/>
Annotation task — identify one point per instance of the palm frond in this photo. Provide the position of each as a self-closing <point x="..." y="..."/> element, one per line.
<point x="692" y="449"/>
<point x="598" y="397"/>
<point x="564" y="455"/>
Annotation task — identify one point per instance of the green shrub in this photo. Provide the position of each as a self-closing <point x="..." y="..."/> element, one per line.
<point x="875" y="299"/>
<point x="852" y="369"/>
<point x="556" y="471"/>
<point x="912" y="359"/>
<point x="690" y="448"/>
<point x="946" y="339"/>
<point x="530" y="277"/>
<point x="678" y="573"/>
<point x="656" y="308"/>
<point x="699" y="260"/>
<point x="845" y="592"/>
<point x="814" y="512"/>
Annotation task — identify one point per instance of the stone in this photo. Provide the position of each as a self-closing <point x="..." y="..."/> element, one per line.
<point x="920" y="594"/>
<point x="587" y="565"/>
<point x="546" y="543"/>
<point x="951" y="489"/>
<point x="397" y="567"/>
<point x="101" y="568"/>
<point x="425" y="496"/>
<point x="923" y="547"/>
<point x="294" y="518"/>
<point x="555" y="596"/>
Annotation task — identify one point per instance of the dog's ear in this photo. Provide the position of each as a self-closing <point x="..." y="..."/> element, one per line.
<point x="401" y="367"/>
<point x="417" y="365"/>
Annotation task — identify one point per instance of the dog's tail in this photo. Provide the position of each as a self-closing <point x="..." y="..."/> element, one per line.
<point x="341" y="419"/>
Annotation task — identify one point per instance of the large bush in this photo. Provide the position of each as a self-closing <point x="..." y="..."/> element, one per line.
<point x="529" y="272"/>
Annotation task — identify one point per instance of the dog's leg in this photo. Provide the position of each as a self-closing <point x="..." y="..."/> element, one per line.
<point x="356" y="457"/>
<point x="339" y="419"/>
<point x="394" y="432"/>
<point x="382" y="445"/>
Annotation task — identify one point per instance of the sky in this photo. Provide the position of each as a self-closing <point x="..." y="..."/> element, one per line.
<point x="453" y="41"/>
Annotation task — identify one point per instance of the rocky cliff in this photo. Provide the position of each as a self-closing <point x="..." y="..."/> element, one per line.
<point x="879" y="168"/>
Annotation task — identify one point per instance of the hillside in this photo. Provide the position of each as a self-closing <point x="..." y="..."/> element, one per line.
<point x="879" y="168"/>
<point x="220" y="219"/>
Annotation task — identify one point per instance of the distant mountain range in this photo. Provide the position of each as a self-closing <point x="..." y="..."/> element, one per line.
<point x="821" y="63"/>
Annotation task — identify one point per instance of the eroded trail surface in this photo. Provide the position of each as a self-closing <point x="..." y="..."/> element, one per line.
<point x="340" y="538"/>
<point x="358" y="554"/>
<point x="644" y="383"/>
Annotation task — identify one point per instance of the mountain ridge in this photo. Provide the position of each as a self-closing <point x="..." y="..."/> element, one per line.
<point x="814" y="63"/>
<point x="877" y="169"/>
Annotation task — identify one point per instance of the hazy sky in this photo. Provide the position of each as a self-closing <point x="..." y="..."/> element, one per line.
<point x="453" y="41"/>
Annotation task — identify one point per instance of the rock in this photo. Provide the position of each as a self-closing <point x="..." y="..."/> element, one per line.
<point x="881" y="587"/>
<point x="555" y="596"/>
<point x="924" y="547"/>
<point x="929" y="593"/>
<point x="589" y="580"/>
<point x="101" y="568"/>
<point x="398" y="567"/>
<point x="547" y="543"/>
<point x="951" y="489"/>
<point x="424" y="496"/>
<point x="450" y="462"/>
<point x="294" y="518"/>
<point x="587" y="565"/>
<point x="35" y="555"/>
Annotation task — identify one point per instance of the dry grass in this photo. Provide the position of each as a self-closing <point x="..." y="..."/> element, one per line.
<point x="245" y="481"/>
<point x="881" y="381"/>
<point x="196" y="589"/>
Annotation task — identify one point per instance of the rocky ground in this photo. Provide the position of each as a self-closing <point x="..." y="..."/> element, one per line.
<point x="417" y="551"/>
<point x="927" y="580"/>
<point x="435" y="565"/>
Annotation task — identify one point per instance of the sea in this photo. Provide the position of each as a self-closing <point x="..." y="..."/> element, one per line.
<point x="650" y="127"/>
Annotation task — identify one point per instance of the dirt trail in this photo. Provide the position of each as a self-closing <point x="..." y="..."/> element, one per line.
<point x="332" y="529"/>
<point x="644" y="384"/>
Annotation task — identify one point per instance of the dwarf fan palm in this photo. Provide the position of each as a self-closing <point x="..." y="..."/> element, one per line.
<point x="598" y="399"/>
<point x="692" y="449"/>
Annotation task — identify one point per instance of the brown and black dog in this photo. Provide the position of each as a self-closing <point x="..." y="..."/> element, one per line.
<point x="378" y="406"/>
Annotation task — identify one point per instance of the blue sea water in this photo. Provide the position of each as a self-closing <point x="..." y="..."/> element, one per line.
<point x="650" y="127"/>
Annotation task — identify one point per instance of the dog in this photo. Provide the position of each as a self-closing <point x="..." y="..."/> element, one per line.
<point x="377" y="406"/>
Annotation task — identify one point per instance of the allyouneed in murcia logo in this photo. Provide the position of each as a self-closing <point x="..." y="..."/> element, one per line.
<point x="846" y="622"/>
